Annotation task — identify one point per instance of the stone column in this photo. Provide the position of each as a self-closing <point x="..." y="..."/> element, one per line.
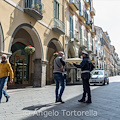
<point x="43" y="80"/>
<point x="66" y="46"/>
<point x="37" y="73"/>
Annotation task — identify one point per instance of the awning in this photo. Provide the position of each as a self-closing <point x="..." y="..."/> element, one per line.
<point x="74" y="60"/>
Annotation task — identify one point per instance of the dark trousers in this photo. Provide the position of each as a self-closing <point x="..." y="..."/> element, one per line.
<point x="59" y="81"/>
<point x="86" y="88"/>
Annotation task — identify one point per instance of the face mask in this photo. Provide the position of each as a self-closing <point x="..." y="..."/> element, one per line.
<point x="63" y="56"/>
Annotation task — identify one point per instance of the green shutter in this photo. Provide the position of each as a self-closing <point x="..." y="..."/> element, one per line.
<point x="87" y="42"/>
<point x="71" y="27"/>
<point x="80" y="8"/>
<point x="56" y="9"/>
<point x="81" y="36"/>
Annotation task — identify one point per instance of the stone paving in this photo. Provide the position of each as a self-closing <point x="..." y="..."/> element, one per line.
<point x="38" y="103"/>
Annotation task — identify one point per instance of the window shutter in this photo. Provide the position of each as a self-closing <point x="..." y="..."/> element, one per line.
<point x="81" y="35"/>
<point x="54" y="8"/>
<point x="87" y="42"/>
<point x="26" y="3"/>
<point x="80" y="8"/>
<point x="71" y="27"/>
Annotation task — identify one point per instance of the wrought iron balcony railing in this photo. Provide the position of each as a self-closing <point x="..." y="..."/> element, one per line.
<point x="75" y="4"/>
<point x="58" y="26"/>
<point x="92" y="11"/>
<point x="34" y="8"/>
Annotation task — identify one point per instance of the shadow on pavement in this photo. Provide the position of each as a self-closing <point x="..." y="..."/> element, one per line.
<point x="105" y="106"/>
<point x="38" y="107"/>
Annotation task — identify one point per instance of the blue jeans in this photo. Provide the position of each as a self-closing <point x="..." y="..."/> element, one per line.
<point x="59" y="81"/>
<point x="2" y="84"/>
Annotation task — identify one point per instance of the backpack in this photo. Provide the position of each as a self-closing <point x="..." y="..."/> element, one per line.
<point x="91" y="66"/>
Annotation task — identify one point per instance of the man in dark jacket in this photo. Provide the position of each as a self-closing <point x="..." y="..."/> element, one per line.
<point x="86" y="66"/>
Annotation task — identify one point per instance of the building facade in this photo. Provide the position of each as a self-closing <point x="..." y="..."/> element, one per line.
<point x="38" y="23"/>
<point x="99" y="45"/>
<point x="80" y="32"/>
<point x="49" y="26"/>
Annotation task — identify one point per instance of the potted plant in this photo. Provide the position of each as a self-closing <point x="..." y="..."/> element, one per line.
<point x="33" y="6"/>
<point x="38" y="6"/>
<point x="55" y="54"/>
<point x="29" y="49"/>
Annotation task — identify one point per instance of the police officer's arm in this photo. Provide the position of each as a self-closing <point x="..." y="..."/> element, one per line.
<point x="76" y="65"/>
<point x="81" y="64"/>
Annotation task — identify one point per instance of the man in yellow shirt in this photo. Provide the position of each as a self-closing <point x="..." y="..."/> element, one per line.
<point x="5" y="70"/>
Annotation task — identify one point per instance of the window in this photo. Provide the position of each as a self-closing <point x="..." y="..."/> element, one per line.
<point x="80" y="33"/>
<point x="80" y="8"/>
<point x="98" y="73"/>
<point x="56" y="9"/>
<point x="34" y="4"/>
<point x="71" y="27"/>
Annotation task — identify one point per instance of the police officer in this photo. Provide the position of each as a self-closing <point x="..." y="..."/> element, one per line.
<point x="85" y="68"/>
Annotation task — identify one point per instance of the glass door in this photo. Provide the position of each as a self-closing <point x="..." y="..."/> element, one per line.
<point x="20" y="70"/>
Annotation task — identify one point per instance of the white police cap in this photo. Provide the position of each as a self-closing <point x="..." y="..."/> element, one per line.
<point x="84" y="52"/>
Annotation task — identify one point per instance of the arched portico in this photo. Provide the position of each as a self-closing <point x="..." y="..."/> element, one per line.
<point x="29" y="66"/>
<point x="1" y="39"/>
<point x="53" y="46"/>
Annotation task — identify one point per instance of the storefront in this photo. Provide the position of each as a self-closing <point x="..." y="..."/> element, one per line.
<point x="26" y="66"/>
<point x="20" y="64"/>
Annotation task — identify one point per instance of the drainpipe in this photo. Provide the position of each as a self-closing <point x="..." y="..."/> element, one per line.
<point x="63" y="19"/>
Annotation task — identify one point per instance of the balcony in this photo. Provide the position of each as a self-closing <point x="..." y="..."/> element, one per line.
<point x="92" y="11"/>
<point x="58" y="26"/>
<point x="34" y="9"/>
<point x="82" y="16"/>
<point x="94" y="53"/>
<point x="93" y="32"/>
<point x="74" y="4"/>
<point x="88" y="25"/>
<point x="101" y="58"/>
<point x="87" y="3"/>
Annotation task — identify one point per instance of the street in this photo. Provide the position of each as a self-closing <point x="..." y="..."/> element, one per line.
<point x="39" y="103"/>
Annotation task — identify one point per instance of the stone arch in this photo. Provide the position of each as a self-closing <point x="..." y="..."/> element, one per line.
<point x="34" y="36"/>
<point x="53" y="46"/>
<point x="1" y="39"/>
<point x="27" y="35"/>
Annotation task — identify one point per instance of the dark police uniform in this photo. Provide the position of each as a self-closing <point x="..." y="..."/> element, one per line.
<point x="85" y="68"/>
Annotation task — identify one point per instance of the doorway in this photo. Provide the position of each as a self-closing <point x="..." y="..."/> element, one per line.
<point x="20" y="64"/>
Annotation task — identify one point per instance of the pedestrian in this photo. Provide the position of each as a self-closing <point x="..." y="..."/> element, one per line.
<point x="59" y="64"/>
<point x="5" y="70"/>
<point x="86" y="67"/>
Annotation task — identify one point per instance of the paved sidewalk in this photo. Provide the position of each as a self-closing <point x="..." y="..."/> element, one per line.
<point x="38" y="103"/>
